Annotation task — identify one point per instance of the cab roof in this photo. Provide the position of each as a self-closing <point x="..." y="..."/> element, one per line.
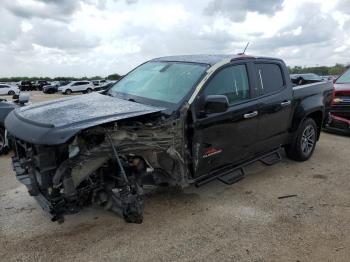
<point x="207" y="59"/>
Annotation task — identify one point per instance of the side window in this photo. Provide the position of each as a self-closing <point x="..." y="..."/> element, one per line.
<point x="270" y="78"/>
<point x="232" y="82"/>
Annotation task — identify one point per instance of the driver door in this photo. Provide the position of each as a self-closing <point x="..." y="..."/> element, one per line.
<point x="227" y="138"/>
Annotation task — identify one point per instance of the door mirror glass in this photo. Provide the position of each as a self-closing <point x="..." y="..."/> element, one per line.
<point x="215" y="104"/>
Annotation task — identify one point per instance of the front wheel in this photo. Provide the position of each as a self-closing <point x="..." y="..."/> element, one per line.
<point x="304" y="142"/>
<point x="68" y="92"/>
<point x="89" y="90"/>
<point x="11" y="93"/>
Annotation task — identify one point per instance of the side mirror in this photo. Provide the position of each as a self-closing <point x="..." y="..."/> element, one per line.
<point x="23" y="98"/>
<point x="215" y="104"/>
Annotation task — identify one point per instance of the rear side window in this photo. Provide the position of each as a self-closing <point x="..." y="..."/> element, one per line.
<point x="79" y="83"/>
<point x="270" y="78"/>
<point x="232" y="82"/>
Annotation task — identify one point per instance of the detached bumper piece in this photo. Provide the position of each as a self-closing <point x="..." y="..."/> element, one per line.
<point x="124" y="198"/>
<point x="54" y="207"/>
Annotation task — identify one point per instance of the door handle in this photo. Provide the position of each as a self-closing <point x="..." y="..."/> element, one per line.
<point x="251" y="115"/>
<point x="286" y="103"/>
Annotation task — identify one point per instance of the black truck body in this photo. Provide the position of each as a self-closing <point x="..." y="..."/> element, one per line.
<point x="110" y="148"/>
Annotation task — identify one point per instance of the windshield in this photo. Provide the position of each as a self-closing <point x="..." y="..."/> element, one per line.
<point x="345" y="78"/>
<point x="164" y="81"/>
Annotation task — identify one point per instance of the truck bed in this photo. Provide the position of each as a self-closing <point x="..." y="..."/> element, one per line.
<point x="321" y="88"/>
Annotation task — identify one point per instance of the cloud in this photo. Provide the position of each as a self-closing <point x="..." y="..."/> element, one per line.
<point x="237" y="10"/>
<point x="311" y="27"/>
<point x="60" y="10"/>
<point x="344" y="6"/>
<point x="10" y="28"/>
<point x="55" y="35"/>
<point x="99" y="37"/>
<point x="45" y="9"/>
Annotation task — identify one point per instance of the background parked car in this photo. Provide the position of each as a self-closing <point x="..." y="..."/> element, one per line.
<point x="106" y="85"/>
<point x="77" y="86"/>
<point x="26" y="86"/>
<point x="39" y="84"/>
<point x="304" y="79"/>
<point x="11" y="90"/>
<point x="339" y="114"/>
<point x="99" y="82"/>
<point x="51" y="88"/>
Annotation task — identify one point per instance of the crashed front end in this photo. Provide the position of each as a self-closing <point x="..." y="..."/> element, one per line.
<point x="112" y="164"/>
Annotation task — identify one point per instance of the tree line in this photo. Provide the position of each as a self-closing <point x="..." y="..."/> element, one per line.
<point x="320" y="70"/>
<point x="337" y="69"/>
<point x="19" y="78"/>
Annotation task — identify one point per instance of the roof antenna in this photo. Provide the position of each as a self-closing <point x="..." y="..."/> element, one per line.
<point x="245" y="49"/>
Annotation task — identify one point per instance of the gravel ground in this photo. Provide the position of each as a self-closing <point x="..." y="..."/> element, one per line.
<point x="242" y="222"/>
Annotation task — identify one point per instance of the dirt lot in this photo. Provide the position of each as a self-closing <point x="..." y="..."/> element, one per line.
<point x="242" y="222"/>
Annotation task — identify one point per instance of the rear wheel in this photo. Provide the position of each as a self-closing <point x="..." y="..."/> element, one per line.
<point x="11" y="93"/>
<point x="68" y="92"/>
<point x="304" y="142"/>
<point x="89" y="90"/>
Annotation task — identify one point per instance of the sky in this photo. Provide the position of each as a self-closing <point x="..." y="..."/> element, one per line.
<point x="102" y="37"/>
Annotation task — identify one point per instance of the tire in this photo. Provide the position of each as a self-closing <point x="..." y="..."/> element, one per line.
<point x="304" y="141"/>
<point x="11" y="93"/>
<point x="68" y="92"/>
<point x="3" y="148"/>
<point x="88" y="91"/>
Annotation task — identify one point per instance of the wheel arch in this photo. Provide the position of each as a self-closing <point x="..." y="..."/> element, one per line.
<point x="317" y="116"/>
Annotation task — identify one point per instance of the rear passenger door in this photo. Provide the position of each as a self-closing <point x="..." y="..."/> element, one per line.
<point x="275" y="103"/>
<point x="78" y="86"/>
<point x="84" y="86"/>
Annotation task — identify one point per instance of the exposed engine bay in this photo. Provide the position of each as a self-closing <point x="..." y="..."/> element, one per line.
<point x="111" y="165"/>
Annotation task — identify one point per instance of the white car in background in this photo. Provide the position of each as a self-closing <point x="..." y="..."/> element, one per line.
<point x="6" y="89"/>
<point x="77" y="86"/>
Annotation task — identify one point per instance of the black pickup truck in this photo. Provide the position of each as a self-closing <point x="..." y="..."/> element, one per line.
<point x="172" y="121"/>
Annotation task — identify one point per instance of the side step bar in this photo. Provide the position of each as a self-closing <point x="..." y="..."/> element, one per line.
<point x="234" y="174"/>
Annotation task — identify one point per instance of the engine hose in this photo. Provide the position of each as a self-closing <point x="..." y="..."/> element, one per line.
<point x="121" y="169"/>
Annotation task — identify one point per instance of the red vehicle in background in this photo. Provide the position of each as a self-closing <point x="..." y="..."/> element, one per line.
<point x="339" y="114"/>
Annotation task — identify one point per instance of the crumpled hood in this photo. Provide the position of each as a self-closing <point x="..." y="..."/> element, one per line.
<point x="54" y="122"/>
